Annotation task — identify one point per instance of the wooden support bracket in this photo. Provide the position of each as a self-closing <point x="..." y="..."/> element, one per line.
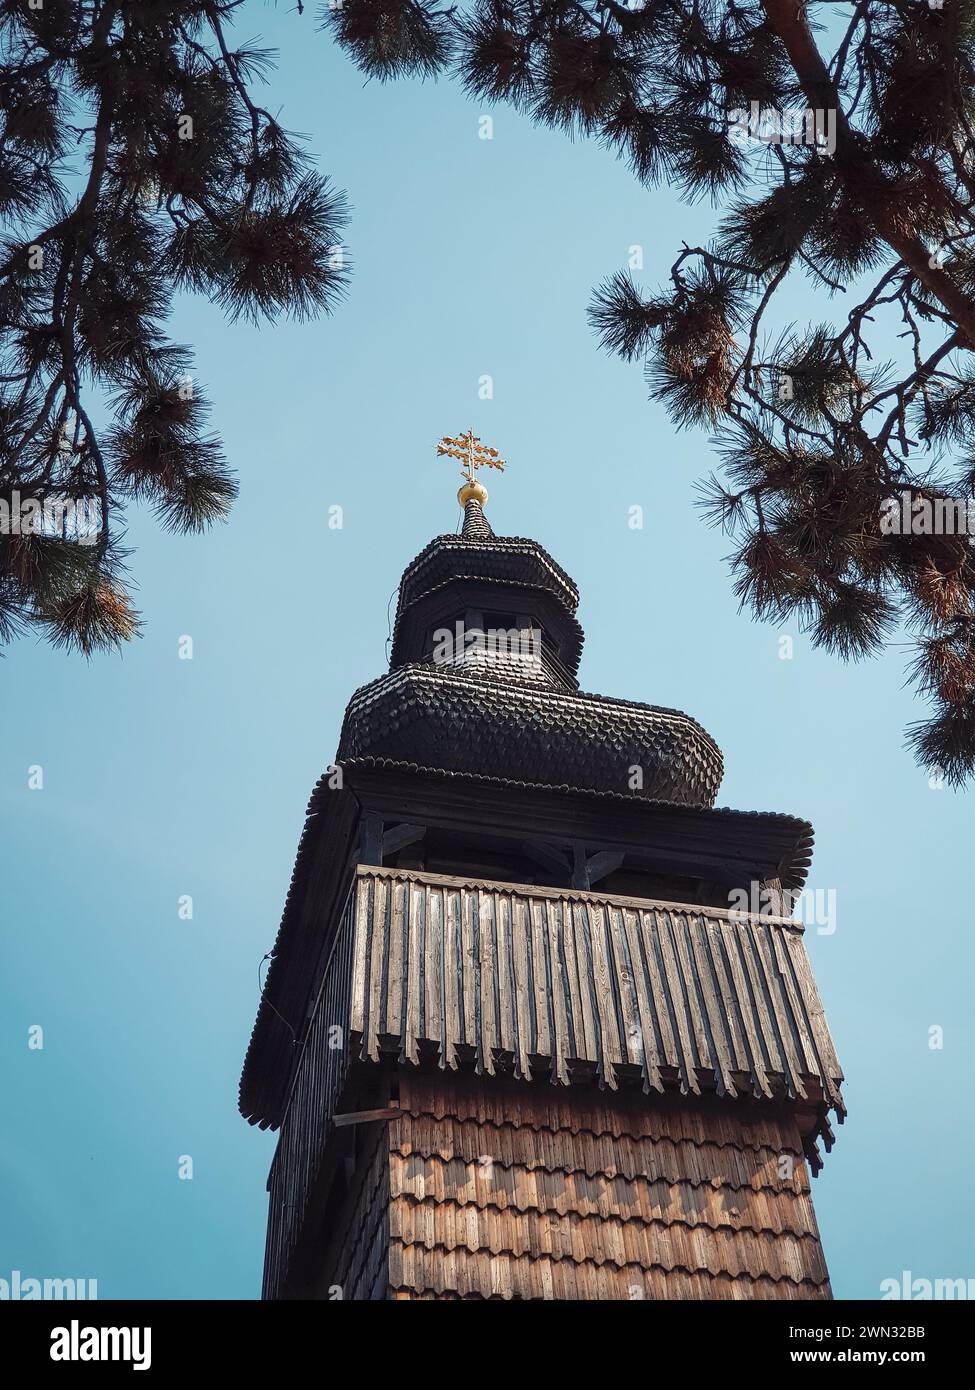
<point x="397" y="837"/>
<point x="545" y="855"/>
<point x="607" y="861"/>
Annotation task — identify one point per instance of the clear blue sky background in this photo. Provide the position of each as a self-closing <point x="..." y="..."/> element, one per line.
<point x="165" y="777"/>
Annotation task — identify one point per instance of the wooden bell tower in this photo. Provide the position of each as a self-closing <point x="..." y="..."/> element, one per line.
<point x="516" y="1040"/>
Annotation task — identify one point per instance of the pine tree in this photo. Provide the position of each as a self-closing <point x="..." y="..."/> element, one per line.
<point x="821" y="430"/>
<point x="184" y="182"/>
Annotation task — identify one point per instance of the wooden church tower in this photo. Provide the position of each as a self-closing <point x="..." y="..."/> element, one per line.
<point x="515" y="1040"/>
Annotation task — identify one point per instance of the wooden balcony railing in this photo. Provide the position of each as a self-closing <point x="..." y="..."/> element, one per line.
<point x="578" y="984"/>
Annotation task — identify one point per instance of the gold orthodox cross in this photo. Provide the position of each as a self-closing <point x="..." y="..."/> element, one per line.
<point x="471" y="453"/>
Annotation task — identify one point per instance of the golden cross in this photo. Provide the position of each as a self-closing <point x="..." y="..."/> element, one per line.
<point x="471" y="452"/>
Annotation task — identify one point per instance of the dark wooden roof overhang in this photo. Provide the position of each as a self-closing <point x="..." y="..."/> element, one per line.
<point x="500" y="557"/>
<point x="742" y="847"/>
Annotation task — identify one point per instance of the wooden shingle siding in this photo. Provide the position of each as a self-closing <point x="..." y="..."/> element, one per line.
<point x="422" y="1274"/>
<point x="547" y="979"/>
<point x="429" y="1177"/>
<point x="307" y="1123"/>
<point x="500" y="1190"/>
<point x="692" y="1159"/>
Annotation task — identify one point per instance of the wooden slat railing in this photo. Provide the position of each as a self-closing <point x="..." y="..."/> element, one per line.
<point x="566" y="983"/>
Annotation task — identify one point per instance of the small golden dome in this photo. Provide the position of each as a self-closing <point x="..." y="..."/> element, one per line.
<point x="472" y="492"/>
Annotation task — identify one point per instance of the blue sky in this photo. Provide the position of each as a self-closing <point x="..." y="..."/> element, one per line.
<point x="165" y="777"/>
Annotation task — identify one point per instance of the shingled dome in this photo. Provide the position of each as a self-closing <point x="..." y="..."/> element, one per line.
<point x="486" y="645"/>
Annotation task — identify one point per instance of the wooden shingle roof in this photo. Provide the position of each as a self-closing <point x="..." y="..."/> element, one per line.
<point x="462" y="721"/>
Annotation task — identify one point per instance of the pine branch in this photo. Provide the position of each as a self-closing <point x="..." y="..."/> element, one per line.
<point x="189" y="181"/>
<point x="821" y="427"/>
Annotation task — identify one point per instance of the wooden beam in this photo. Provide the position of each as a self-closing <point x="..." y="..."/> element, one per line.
<point x="694" y="841"/>
<point x="605" y="862"/>
<point x="399" y="836"/>
<point x="580" y="867"/>
<point x="546" y="855"/>
<point x="365" y="1117"/>
<point x="371" y="840"/>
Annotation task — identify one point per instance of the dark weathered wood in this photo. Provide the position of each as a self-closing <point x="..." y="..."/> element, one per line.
<point x="547" y="856"/>
<point x="705" y="996"/>
<point x="319" y="1077"/>
<point x="580" y="868"/>
<point x="364" y="1117"/>
<point x="746" y="847"/>
<point x="371" y="839"/>
<point x="397" y="837"/>
<point x="728" y="850"/>
<point x="605" y="862"/>
<point x="561" y="634"/>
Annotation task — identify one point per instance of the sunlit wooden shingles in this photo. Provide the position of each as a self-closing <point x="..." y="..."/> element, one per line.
<point x="505" y="1190"/>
